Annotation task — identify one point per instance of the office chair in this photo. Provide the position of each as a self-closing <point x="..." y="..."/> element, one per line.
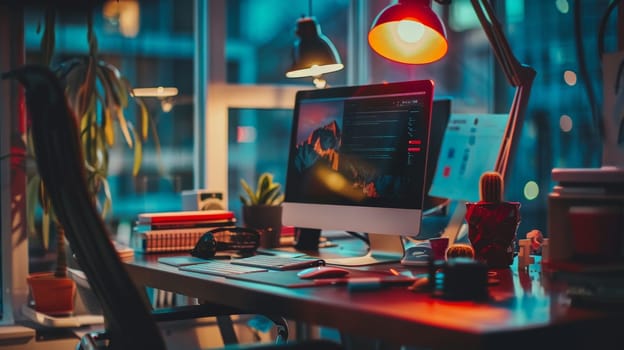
<point x="129" y="323"/>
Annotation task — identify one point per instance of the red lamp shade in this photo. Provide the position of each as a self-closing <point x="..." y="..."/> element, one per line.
<point x="409" y="32"/>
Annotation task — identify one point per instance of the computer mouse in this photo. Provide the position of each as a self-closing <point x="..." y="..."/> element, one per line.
<point x="322" y="272"/>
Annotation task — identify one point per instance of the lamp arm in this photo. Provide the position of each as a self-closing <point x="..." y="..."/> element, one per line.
<point x="515" y="72"/>
<point x="518" y="75"/>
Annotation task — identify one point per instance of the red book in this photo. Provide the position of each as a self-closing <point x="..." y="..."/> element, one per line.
<point x="183" y="224"/>
<point x="184" y="217"/>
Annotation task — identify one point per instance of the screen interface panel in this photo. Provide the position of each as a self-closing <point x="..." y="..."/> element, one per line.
<point x="470" y="147"/>
<point x="365" y="151"/>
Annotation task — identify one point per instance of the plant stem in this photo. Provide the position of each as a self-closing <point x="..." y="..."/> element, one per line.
<point x="61" y="258"/>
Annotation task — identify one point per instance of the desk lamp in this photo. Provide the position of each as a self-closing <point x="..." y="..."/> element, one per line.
<point x="313" y="53"/>
<point x="408" y="31"/>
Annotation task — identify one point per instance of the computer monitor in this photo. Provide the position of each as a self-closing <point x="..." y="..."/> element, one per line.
<point x="440" y="115"/>
<point x="357" y="162"/>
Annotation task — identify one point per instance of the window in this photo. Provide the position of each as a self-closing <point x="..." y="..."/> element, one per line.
<point x="159" y="52"/>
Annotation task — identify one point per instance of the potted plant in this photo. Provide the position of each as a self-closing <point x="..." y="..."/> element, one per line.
<point x="262" y="209"/>
<point x="98" y="95"/>
<point x="493" y="222"/>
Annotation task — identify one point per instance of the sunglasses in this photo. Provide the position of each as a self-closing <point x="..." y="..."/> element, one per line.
<point x="242" y="239"/>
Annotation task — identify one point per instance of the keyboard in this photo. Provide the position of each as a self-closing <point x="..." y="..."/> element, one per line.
<point x="221" y="268"/>
<point x="281" y="263"/>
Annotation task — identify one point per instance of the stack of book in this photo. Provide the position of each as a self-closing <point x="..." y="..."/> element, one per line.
<point x="176" y="231"/>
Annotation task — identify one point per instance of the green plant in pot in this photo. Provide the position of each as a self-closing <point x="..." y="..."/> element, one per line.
<point x="262" y="209"/>
<point x="98" y="95"/>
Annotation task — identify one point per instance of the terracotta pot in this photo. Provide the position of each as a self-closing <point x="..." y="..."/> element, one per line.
<point x="267" y="219"/>
<point x="52" y="295"/>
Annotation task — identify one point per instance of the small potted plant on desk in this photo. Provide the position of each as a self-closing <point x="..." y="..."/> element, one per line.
<point x="262" y="209"/>
<point x="492" y="223"/>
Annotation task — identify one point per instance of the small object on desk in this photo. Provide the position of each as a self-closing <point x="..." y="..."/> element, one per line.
<point x="417" y="255"/>
<point x="545" y="250"/>
<point x="419" y="284"/>
<point x="458" y="250"/>
<point x="524" y="253"/>
<point x="464" y="279"/>
<point x="537" y="239"/>
<point x="178" y="218"/>
<point x="243" y="239"/>
<point x="322" y="272"/>
<point x="73" y="321"/>
<point x="273" y="262"/>
<point x="307" y="238"/>
<point x="184" y="260"/>
<point x="221" y="268"/>
<point x="362" y="284"/>
<point x="438" y="247"/>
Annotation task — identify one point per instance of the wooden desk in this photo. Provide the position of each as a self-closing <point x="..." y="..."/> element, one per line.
<point x="524" y="312"/>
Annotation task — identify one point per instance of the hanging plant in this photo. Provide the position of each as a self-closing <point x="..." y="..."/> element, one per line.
<point x="99" y="96"/>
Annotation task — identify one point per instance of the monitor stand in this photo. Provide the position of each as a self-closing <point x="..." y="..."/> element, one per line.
<point x="456" y="229"/>
<point x="382" y="249"/>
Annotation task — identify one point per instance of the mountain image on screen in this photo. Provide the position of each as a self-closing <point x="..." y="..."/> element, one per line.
<point x="333" y="175"/>
<point x="321" y="145"/>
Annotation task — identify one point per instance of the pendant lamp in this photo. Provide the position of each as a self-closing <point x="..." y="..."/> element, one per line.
<point x="313" y="53"/>
<point x="409" y="32"/>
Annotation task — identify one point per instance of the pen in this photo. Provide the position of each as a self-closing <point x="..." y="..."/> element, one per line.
<point x="364" y="283"/>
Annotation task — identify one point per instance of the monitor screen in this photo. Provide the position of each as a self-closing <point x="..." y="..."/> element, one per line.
<point x="440" y="114"/>
<point x="470" y="147"/>
<point x="357" y="158"/>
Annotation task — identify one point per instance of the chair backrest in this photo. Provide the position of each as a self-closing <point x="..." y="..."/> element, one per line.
<point x="129" y="322"/>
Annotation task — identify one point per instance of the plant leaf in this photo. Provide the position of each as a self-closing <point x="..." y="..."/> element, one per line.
<point x="278" y="200"/>
<point x="244" y="200"/>
<point x="144" y="120"/>
<point x="264" y="182"/>
<point x="107" y="81"/>
<point x="108" y="201"/>
<point x="250" y="193"/>
<point x="108" y="127"/>
<point x="119" y="83"/>
<point x="87" y="89"/>
<point x="123" y="124"/>
<point x="32" y="193"/>
<point x="138" y="151"/>
<point x="267" y="195"/>
<point x="45" y="229"/>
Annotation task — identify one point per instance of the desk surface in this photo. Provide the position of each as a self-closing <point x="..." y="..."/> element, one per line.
<point x="524" y="309"/>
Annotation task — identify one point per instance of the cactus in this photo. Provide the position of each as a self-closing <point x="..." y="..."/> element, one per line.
<point x="491" y="187"/>
<point x="458" y="250"/>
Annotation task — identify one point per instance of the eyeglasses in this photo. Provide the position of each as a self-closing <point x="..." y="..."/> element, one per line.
<point x="242" y="239"/>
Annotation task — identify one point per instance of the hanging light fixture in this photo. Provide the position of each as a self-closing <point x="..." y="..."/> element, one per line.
<point x="409" y="32"/>
<point x="313" y="53"/>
